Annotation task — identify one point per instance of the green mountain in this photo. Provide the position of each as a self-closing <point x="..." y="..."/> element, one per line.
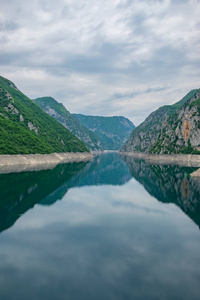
<point x="26" y="129"/>
<point x="112" y="132"/>
<point x="63" y="116"/>
<point x="170" y="129"/>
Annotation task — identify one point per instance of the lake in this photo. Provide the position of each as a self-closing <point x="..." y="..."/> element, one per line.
<point x="111" y="228"/>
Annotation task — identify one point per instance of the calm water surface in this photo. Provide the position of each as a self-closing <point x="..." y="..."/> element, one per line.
<point x="111" y="228"/>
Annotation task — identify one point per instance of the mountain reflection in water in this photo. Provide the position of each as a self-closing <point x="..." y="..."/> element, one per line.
<point x="107" y="238"/>
<point x="169" y="184"/>
<point x="19" y="192"/>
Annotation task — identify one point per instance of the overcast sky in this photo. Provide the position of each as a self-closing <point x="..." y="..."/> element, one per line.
<point x="102" y="57"/>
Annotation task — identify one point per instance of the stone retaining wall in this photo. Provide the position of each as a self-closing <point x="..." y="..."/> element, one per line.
<point x="26" y="162"/>
<point x="188" y="160"/>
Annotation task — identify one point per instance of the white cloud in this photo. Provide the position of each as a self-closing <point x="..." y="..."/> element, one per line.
<point x="83" y="53"/>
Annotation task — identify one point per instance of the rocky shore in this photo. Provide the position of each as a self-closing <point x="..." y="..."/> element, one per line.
<point x="36" y="162"/>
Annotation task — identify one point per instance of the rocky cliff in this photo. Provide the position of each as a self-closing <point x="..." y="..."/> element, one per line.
<point x="112" y="132"/>
<point x="62" y="115"/>
<point x="170" y="129"/>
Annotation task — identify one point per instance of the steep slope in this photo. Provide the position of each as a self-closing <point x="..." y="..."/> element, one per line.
<point x="170" y="129"/>
<point x="26" y="129"/>
<point x="112" y="132"/>
<point x="63" y="116"/>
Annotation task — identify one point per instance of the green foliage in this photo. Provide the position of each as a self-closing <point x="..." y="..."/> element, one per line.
<point x="195" y="103"/>
<point x="189" y="149"/>
<point x="169" y="146"/>
<point x="111" y="131"/>
<point x="185" y="99"/>
<point x="43" y="102"/>
<point x="64" y="117"/>
<point x="15" y="135"/>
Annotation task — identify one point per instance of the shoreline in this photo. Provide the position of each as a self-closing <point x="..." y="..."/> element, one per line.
<point x="36" y="162"/>
<point x="188" y="160"/>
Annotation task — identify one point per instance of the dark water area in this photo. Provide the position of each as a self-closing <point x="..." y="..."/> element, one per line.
<point x="112" y="228"/>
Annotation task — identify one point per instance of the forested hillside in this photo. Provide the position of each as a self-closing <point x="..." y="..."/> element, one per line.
<point x="26" y="129"/>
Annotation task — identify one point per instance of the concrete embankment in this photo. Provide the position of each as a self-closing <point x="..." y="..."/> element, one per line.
<point x="196" y="174"/>
<point x="36" y="162"/>
<point x="187" y="160"/>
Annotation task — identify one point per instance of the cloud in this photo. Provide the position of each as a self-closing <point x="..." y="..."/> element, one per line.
<point x="83" y="53"/>
<point x="133" y="94"/>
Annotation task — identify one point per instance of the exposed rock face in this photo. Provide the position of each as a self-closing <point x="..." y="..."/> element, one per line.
<point x="170" y="129"/>
<point x="62" y="115"/>
<point x="112" y="132"/>
<point x="9" y="105"/>
<point x="31" y="126"/>
<point x="21" y="118"/>
<point x="10" y="108"/>
<point x="8" y="102"/>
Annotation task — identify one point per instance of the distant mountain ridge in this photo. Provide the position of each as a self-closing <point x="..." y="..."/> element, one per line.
<point x="57" y="111"/>
<point x="112" y="132"/>
<point x="170" y="129"/>
<point x="26" y="129"/>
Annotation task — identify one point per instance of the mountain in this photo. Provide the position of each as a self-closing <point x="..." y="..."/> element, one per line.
<point x="170" y="129"/>
<point x="26" y="129"/>
<point x="63" y="116"/>
<point x="112" y="132"/>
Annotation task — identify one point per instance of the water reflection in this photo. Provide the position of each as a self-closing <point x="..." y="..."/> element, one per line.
<point x="169" y="184"/>
<point x="105" y="239"/>
<point x="21" y="191"/>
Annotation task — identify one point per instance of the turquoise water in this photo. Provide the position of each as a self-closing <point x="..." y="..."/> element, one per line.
<point x="111" y="228"/>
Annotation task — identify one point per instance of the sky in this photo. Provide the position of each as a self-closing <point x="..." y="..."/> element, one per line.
<point x="102" y="57"/>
